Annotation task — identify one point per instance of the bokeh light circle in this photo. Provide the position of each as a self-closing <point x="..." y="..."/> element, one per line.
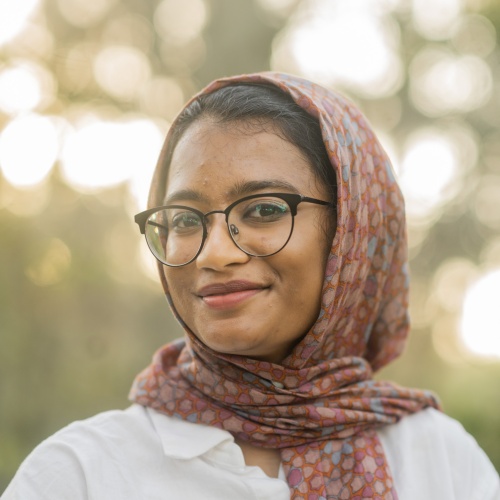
<point x="442" y="82"/>
<point x="85" y="13"/>
<point x="101" y="154"/>
<point x="25" y="86"/>
<point x="369" y="64"/>
<point x="430" y="173"/>
<point x="474" y="34"/>
<point x="180" y="22"/>
<point x="20" y="90"/>
<point x="435" y="19"/>
<point x="29" y="146"/>
<point x="13" y="17"/>
<point x="480" y="323"/>
<point x="121" y="71"/>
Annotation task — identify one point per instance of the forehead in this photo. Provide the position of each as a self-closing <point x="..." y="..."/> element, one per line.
<point x="217" y="160"/>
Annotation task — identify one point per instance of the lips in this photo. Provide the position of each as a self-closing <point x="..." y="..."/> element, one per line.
<point x="229" y="287"/>
<point x="230" y="294"/>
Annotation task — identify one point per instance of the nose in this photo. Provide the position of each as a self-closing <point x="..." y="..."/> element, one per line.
<point x="219" y="250"/>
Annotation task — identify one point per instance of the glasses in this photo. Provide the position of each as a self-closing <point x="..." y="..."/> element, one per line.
<point x="259" y="225"/>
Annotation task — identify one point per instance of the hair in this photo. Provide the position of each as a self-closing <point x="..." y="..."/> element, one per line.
<point x="266" y="106"/>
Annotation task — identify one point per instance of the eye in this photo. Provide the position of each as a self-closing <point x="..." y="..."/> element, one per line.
<point x="183" y="222"/>
<point x="266" y="210"/>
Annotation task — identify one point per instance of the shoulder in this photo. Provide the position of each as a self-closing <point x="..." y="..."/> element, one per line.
<point x="103" y="447"/>
<point x="116" y="431"/>
<point x="136" y="454"/>
<point x="432" y="454"/>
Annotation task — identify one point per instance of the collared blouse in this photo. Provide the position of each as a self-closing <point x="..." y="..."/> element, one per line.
<point x="140" y="454"/>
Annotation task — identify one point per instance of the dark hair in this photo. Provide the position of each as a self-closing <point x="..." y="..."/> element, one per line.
<point x="261" y="105"/>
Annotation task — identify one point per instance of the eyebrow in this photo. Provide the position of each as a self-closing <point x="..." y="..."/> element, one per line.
<point x="240" y="189"/>
<point x="244" y="188"/>
<point x="184" y="195"/>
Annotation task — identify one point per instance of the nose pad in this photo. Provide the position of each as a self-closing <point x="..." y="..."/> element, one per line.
<point x="234" y="230"/>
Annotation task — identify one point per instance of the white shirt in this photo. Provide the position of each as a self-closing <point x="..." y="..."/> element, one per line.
<point x="140" y="454"/>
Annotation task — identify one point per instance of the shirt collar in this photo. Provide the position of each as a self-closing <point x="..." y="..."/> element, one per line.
<point x="185" y="440"/>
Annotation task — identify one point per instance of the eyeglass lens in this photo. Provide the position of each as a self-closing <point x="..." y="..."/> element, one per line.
<point x="259" y="226"/>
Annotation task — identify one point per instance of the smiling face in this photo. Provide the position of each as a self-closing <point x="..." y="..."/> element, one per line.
<point x="257" y="307"/>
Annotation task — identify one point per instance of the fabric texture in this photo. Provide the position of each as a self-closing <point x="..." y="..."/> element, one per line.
<point x="320" y="407"/>
<point x="141" y="454"/>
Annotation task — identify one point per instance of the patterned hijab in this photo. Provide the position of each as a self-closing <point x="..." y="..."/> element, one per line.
<point x="320" y="406"/>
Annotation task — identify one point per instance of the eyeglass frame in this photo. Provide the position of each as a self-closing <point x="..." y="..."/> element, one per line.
<point x="291" y="199"/>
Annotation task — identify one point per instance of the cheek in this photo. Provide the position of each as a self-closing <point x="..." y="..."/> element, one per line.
<point x="317" y="244"/>
<point x="305" y="276"/>
<point x="177" y="283"/>
<point x="313" y="264"/>
<point x="312" y="291"/>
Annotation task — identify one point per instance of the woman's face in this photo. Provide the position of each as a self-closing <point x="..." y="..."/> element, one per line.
<point x="236" y="304"/>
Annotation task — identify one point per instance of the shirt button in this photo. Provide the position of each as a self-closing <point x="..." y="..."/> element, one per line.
<point x="279" y="385"/>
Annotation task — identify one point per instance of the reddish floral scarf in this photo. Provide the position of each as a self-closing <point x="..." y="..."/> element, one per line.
<point x="320" y="407"/>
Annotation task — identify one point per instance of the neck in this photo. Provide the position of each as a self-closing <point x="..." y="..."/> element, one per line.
<point x="268" y="459"/>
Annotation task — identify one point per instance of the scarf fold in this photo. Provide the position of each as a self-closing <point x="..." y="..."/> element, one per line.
<point x="321" y="406"/>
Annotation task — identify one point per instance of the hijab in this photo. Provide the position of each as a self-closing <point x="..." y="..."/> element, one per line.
<point x="320" y="407"/>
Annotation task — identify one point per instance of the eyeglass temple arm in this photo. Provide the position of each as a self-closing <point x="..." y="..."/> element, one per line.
<point x="142" y="224"/>
<point x="151" y="223"/>
<point x="318" y="202"/>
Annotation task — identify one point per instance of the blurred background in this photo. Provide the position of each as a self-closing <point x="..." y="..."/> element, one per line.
<point x="87" y="92"/>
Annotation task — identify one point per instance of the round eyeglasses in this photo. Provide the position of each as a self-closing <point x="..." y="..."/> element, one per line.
<point x="260" y="225"/>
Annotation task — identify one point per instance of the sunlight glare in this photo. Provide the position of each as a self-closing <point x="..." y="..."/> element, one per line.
<point x="451" y="281"/>
<point x="480" y="323"/>
<point x="13" y="17"/>
<point x="85" y="13"/>
<point x="122" y="71"/>
<point x="429" y="172"/>
<point x="140" y="181"/>
<point x="180" y="22"/>
<point x="102" y="153"/>
<point x="368" y="64"/>
<point x="435" y="19"/>
<point x="441" y="82"/>
<point x="25" y="86"/>
<point x="19" y="90"/>
<point x="29" y="146"/>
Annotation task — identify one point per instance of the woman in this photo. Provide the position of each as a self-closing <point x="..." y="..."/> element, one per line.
<point x="280" y="235"/>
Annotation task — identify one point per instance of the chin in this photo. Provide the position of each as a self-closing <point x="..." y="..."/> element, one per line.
<point x="228" y="346"/>
<point x="233" y="342"/>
